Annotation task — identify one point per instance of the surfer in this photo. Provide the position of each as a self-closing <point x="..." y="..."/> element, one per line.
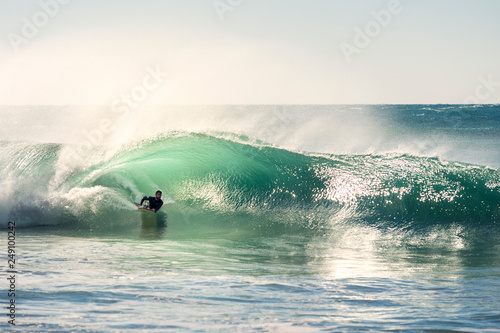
<point x="155" y="202"/>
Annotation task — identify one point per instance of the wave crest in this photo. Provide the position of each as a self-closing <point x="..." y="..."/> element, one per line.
<point x="223" y="174"/>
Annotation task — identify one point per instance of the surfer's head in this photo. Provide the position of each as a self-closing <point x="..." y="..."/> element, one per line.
<point x="158" y="194"/>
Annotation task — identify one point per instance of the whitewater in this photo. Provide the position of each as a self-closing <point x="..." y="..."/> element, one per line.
<point x="276" y="218"/>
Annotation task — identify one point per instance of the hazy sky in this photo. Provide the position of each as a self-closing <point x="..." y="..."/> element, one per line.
<point x="249" y="51"/>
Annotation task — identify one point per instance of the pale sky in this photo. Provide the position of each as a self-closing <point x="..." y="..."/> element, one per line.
<point x="249" y="51"/>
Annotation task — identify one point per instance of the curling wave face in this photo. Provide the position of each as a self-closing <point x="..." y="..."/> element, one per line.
<point x="225" y="177"/>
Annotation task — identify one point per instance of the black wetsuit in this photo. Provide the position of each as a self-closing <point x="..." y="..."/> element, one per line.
<point x="153" y="203"/>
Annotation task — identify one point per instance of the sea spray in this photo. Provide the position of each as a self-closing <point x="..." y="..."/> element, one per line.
<point x="222" y="176"/>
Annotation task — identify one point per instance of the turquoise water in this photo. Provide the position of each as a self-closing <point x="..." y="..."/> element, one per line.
<point x="276" y="219"/>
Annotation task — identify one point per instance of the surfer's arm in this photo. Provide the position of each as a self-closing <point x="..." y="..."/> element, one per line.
<point x="157" y="207"/>
<point x="143" y="198"/>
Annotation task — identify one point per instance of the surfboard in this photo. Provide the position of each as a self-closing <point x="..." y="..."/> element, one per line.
<point x="149" y="218"/>
<point x="143" y="208"/>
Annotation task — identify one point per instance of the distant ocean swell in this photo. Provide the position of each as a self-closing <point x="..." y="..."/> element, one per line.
<point x="226" y="175"/>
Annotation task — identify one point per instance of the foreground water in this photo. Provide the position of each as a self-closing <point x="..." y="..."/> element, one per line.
<point x="160" y="280"/>
<point x="271" y="223"/>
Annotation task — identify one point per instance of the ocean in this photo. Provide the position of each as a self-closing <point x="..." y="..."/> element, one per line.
<point x="300" y="218"/>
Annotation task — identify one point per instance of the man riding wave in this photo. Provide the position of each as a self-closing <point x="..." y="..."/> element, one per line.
<point x="155" y="202"/>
